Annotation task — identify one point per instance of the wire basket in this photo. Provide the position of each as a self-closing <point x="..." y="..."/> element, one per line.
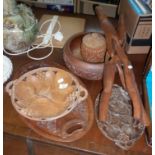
<point x="120" y="125"/>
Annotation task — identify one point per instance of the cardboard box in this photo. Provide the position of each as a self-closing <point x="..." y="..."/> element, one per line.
<point x="69" y="26"/>
<point x="54" y="5"/>
<point x="138" y="26"/>
<point x="87" y="7"/>
<point x="60" y="2"/>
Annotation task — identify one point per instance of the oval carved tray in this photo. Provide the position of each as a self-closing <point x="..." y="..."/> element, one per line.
<point x="72" y="125"/>
<point x="68" y="128"/>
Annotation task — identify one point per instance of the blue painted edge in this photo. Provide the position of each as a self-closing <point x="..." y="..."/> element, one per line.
<point x="148" y="82"/>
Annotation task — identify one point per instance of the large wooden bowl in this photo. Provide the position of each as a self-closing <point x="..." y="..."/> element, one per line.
<point x="75" y="62"/>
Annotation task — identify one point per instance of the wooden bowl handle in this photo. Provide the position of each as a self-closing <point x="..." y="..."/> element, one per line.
<point x="83" y="94"/>
<point x="9" y="86"/>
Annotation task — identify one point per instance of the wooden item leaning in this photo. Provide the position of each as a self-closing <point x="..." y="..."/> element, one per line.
<point x="120" y="61"/>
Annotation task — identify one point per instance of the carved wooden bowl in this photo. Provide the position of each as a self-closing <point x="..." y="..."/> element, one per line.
<point x="75" y="62"/>
<point x="46" y="93"/>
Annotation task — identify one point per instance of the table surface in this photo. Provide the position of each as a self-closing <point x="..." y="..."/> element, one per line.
<point x="93" y="141"/>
